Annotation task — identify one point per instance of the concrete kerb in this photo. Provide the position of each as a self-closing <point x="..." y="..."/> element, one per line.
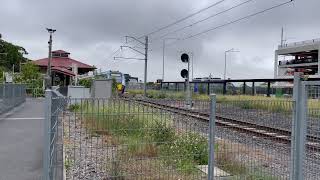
<point x="11" y="111"/>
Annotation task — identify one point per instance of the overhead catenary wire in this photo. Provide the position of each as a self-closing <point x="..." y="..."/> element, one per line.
<point x="237" y="20"/>
<point x="171" y="24"/>
<point x="119" y="50"/>
<point x="229" y="23"/>
<point x="182" y="19"/>
<point x="205" y="19"/>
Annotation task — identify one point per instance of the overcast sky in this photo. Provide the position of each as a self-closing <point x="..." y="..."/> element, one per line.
<point x="91" y="30"/>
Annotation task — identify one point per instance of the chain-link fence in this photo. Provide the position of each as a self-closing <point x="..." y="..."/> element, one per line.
<point x="252" y="137"/>
<point x="128" y="139"/>
<point x="122" y="139"/>
<point x="53" y="132"/>
<point x="11" y="95"/>
<point x="311" y="132"/>
<point x="131" y="138"/>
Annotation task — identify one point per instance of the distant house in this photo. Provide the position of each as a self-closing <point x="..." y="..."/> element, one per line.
<point x="63" y="67"/>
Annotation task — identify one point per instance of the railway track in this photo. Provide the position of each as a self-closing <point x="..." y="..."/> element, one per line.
<point x="275" y="134"/>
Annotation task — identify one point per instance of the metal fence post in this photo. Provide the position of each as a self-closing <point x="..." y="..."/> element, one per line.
<point x="269" y="89"/>
<point x="4" y="94"/>
<point x="298" y="134"/>
<point x="13" y="97"/>
<point x="224" y="91"/>
<point x="253" y="89"/>
<point x="46" y="152"/>
<point x="212" y="136"/>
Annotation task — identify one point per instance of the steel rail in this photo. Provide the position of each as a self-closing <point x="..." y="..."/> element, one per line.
<point x="275" y="134"/>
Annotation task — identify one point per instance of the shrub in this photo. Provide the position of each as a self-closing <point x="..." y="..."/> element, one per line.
<point x="187" y="151"/>
<point x="141" y="150"/>
<point x="161" y="96"/>
<point x="74" y="107"/>
<point x="161" y="133"/>
<point x="85" y="82"/>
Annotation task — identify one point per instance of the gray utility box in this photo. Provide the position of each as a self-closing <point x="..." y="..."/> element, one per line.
<point x="101" y="88"/>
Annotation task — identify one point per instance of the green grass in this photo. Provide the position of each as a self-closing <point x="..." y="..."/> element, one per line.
<point x="272" y="104"/>
<point x="144" y="135"/>
<point x="186" y="151"/>
<point x="256" y="175"/>
<point x="68" y="163"/>
<point x="141" y="137"/>
<point x="157" y="94"/>
<point x="228" y="158"/>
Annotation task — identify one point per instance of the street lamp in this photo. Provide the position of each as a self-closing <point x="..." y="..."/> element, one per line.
<point x="163" y="49"/>
<point x="225" y="61"/>
<point x="49" y="83"/>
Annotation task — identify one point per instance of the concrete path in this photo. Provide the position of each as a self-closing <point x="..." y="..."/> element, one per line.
<point x="21" y="142"/>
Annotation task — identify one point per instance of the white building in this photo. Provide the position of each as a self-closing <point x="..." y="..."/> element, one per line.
<point x="297" y="57"/>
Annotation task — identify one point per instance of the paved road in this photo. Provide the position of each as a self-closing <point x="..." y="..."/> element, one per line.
<point x="21" y="142"/>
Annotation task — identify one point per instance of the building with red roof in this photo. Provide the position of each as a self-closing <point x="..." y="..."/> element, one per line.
<point x="63" y="67"/>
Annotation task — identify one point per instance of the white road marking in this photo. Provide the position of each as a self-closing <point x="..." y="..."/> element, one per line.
<point x="31" y="118"/>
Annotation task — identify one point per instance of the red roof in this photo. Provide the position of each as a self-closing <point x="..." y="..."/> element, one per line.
<point x="63" y="71"/>
<point x="64" y="62"/>
<point x="60" y="51"/>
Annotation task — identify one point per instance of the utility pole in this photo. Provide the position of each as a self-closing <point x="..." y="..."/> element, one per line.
<point x="145" y="67"/>
<point x="225" y="62"/>
<point x="282" y="39"/>
<point x="145" y="59"/>
<point x="163" y="47"/>
<point x="49" y="78"/>
<point x="189" y="103"/>
<point x="192" y="65"/>
<point x="163" y="54"/>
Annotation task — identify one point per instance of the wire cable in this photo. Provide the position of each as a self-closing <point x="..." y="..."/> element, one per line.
<point x="237" y="20"/>
<point x="205" y="19"/>
<point x="182" y="19"/>
<point x="229" y="23"/>
<point x="171" y="24"/>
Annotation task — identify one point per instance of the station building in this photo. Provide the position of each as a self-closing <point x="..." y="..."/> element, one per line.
<point x="298" y="57"/>
<point x="63" y="68"/>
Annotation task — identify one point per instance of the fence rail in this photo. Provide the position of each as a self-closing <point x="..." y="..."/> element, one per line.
<point x="11" y="95"/>
<point x="267" y="87"/>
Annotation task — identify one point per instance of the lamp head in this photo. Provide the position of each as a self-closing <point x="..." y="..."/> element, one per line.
<point x="51" y="30"/>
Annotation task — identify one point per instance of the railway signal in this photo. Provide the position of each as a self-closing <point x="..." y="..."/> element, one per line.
<point x="185" y="74"/>
<point x="185" y="59"/>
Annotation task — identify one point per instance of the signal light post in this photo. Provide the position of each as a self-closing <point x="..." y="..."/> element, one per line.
<point x="185" y="74"/>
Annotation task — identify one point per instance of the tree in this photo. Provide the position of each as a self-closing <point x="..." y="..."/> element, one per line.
<point x="31" y="76"/>
<point x="30" y="71"/>
<point x="2" y="69"/>
<point x="86" y="82"/>
<point x="11" y="54"/>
